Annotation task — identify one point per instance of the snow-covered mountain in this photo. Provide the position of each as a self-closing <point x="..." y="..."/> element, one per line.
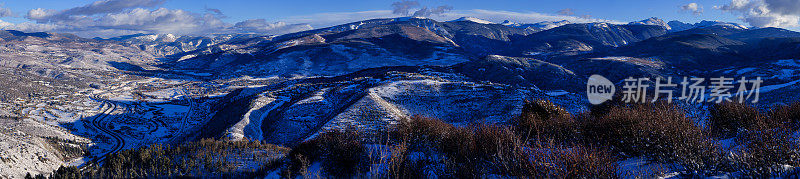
<point x="472" y="19"/>
<point x="376" y="98"/>
<point x="653" y="21"/>
<point x="162" y="45"/>
<point x="100" y="96"/>
<point x="728" y="26"/>
<point x="537" y="27"/>
<point x="56" y="51"/>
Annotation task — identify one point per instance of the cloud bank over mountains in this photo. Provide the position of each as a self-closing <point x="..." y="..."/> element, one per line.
<point x="765" y="13"/>
<point x="108" y="18"/>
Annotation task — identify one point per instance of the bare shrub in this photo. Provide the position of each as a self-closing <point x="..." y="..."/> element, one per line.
<point x="787" y="116"/>
<point x="207" y="157"/>
<point x="300" y="158"/>
<point x="399" y="166"/>
<point x="768" y="143"/>
<point x="658" y="131"/>
<point x="543" y="120"/>
<point x="341" y="152"/>
<point x="498" y="150"/>
<point x="481" y="149"/>
<point x="726" y="119"/>
<point x="423" y="134"/>
<point x="579" y="162"/>
<point x="765" y="152"/>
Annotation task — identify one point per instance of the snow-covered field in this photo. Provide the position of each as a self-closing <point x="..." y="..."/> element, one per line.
<point x="124" y="113"/>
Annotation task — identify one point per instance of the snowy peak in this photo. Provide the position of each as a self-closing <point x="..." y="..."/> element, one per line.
<point x="147" y="38"/>
<point x="536" y="27"/>
<point x="167" y="38"/>
<point x="681" y="26"/>
<point x="551" y="24"/>
<point x="508" y="23"/>
<point x="652" y="21"/>
<point x="720" y="23"/>
<point x="707" y="27"/>
<point x="472" y="19"/>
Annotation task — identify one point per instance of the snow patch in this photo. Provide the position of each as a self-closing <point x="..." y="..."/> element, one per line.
<point x="473" y="19"/>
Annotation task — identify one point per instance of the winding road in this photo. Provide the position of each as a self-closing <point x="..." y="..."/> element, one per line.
<point x="99" y="122"/>
<point x="130" y="117"/>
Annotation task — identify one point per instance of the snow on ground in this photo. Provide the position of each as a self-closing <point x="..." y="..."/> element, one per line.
<point x="557" y="93"/>
<point x="78" y="162"/>
<point x="371" y="113"/>
<point x="22" y="153"/>
<point x="317" y="97"/>
<point x="744" y="70"/>
<point x="22" y="148"/>
<point x="451" y="101"/>
<point x="198" y="74"/>
<point x="172" y="109"/>
<point x="75" y="117"/>
<point x="785" y="74"/>
<point x="250" y="125"/>
<point x="123" y="98"/>
<point x="167" y="94"/>
<point x="474" y="19"/>
<point x="638" y="166"/>
<point x="769" y="88"/>
<point x="788" y="63"/>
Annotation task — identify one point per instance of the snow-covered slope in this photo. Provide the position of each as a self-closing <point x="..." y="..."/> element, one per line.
<point x="162" y="45"/>
<point x="472" y="19"/>
<point x="54" y="51"/>
<point x="375" y="99"/>
<point x="653" y="21"/>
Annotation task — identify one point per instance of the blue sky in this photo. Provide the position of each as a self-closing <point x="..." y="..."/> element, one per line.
<point x="271" y="16"/>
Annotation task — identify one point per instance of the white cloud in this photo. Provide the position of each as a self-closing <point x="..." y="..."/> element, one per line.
<point x="95" y="8"/>
<point x="216" y="12"/>
<point x="765" y="13"/>
<point x="161" y="20"/>
<point x="108" y="18"/>
<point x="784" y="6"/>
<point x="403" y="7"/>
<point x="694" y="8"/>
<point x="29" y="27"/>
<point x="425" y="12"/>
<point x="40" y="13"/>
<point x="566" y="12"/>
<point x="336" y="18"/>
<point x="5" y="12"/>
<point x="122" y="16"/>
